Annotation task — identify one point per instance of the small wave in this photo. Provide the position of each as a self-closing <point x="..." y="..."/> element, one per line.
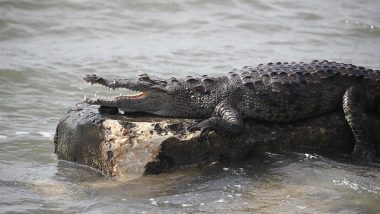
<point x="3" y="136"/>
<point x="47" y="134"/>
<point x="221" y="201"/>
<point x="22" y="133"/>
<point x="357" y="186"/>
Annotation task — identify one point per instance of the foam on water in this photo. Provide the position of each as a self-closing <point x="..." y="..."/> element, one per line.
<point x="22" y="133"/>
<point x="47" y="134"/>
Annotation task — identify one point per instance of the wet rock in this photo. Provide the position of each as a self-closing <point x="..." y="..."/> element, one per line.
<point x="134" y="144"/>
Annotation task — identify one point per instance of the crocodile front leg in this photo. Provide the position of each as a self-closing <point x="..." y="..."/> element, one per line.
<point x="226" y="121"/>
<point x="353" y="107"/>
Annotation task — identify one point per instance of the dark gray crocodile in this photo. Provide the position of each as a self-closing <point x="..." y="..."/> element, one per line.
<point x="274" y="92"/>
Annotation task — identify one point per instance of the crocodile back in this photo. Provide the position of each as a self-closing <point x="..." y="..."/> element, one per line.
<point x="291" y="91"/>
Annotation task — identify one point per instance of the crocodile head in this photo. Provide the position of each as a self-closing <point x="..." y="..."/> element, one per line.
<point x="152" y="95"/>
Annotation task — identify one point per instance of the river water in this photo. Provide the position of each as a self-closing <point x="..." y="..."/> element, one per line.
<point x="47" y="46"/>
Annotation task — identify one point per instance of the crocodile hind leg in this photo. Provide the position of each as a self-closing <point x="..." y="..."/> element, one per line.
<point x="354" y="107"/>
<point x="225" y="121"/>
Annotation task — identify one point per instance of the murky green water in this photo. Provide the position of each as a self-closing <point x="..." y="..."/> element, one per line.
<point x="47" y="46"/>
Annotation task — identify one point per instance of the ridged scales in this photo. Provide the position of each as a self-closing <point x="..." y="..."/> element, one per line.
<point x="275" y="92"/>
<point x="282" y="76"/>
<point x="289" y="91"/>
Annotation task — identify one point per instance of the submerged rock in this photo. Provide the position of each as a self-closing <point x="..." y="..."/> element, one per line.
<point x="132" y="145"/>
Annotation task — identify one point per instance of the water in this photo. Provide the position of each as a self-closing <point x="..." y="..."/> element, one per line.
<point x="46" y="46"/>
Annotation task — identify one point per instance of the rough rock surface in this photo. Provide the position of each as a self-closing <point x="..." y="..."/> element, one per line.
<point x="132" y="145"/>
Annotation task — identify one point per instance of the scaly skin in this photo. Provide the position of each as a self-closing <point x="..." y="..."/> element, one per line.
<point x="275" y="92"/>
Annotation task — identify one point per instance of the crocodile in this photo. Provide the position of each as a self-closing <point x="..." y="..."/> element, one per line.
<point x="272" y="92"/>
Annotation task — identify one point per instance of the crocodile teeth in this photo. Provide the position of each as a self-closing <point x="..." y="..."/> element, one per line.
<point x="139" y="95"/>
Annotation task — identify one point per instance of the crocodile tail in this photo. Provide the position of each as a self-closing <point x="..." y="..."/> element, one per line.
<point x="372" y="87"/>
<point x="377" y="103"/>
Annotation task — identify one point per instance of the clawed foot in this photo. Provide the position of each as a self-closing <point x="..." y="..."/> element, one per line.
<point x="199" y="127"/>
<point x="204" y="131"/>
<point x="219" y="126"/>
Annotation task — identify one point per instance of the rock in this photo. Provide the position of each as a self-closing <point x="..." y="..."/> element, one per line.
<point x="131" y="145"/>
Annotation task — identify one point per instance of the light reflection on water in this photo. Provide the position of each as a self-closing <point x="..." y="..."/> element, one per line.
<point x="270" y="184"/>
<point x="47" y="46"/>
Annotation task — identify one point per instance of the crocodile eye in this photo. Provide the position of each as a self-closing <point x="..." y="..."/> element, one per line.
<point x="144" y="77"/>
